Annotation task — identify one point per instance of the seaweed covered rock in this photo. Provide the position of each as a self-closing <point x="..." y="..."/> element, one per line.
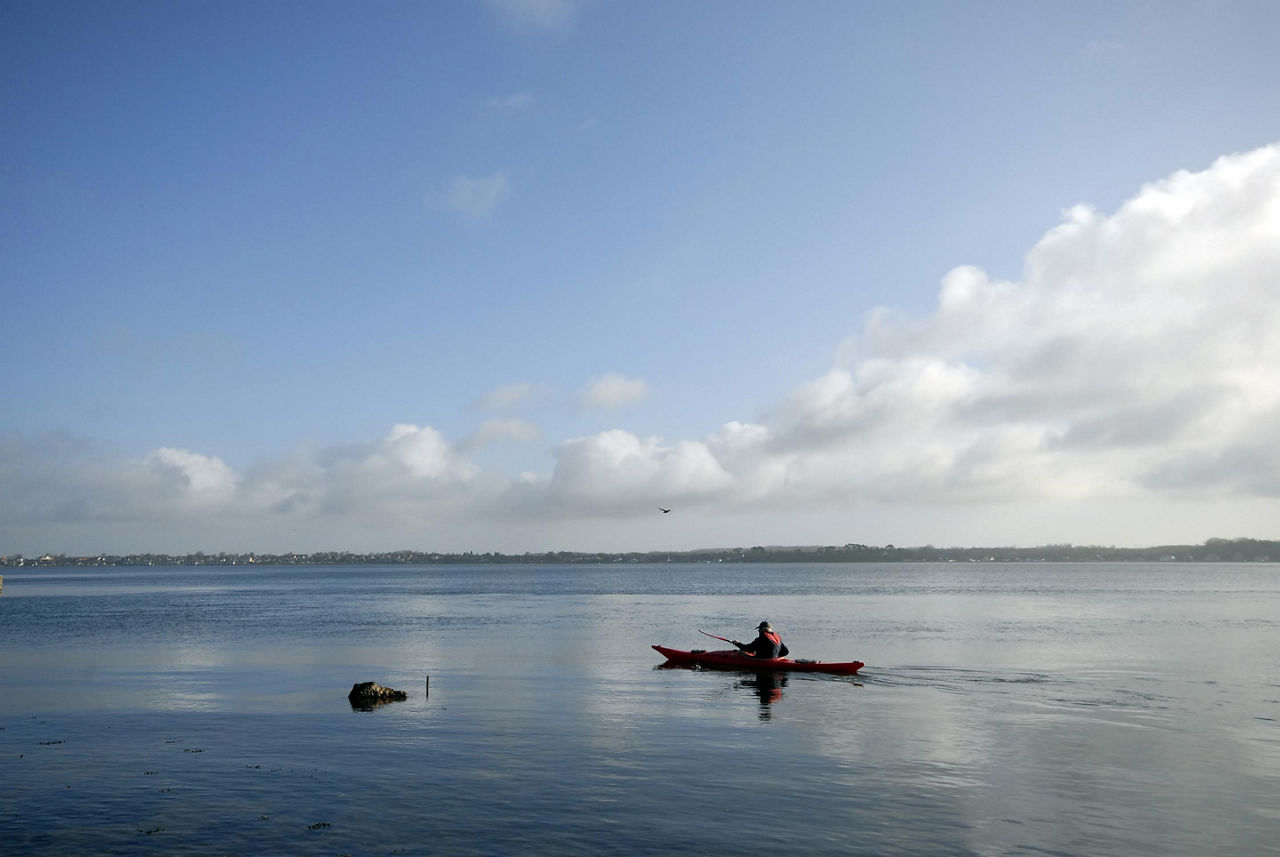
<point x="367" y="694"/>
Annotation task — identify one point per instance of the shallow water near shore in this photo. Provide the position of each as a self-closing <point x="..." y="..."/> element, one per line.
<point x="1005" y="709"/>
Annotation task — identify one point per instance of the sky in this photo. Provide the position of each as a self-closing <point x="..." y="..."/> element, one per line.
<point x="511" y="275"/>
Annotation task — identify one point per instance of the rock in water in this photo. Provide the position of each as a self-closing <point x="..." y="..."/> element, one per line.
<point x="367" y="694"/>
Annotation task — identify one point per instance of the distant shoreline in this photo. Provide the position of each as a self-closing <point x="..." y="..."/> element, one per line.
<point x="1213" y="550"/>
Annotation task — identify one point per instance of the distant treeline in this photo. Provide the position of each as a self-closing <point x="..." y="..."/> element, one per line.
<point x="1214" y="550"/>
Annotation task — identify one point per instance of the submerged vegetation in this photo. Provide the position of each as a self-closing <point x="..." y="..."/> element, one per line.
<point x="1213" y="550"/>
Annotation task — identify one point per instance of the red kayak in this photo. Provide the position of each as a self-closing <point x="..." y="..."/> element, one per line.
<point x="735" y="660"/>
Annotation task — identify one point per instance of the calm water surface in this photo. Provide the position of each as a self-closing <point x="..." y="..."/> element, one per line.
<point x="1005" y="709"/>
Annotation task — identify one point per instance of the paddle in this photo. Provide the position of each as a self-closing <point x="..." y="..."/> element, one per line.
<point x="726" y="639"/>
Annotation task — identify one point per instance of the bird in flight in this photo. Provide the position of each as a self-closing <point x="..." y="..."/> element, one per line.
<point x="663" y="511"/>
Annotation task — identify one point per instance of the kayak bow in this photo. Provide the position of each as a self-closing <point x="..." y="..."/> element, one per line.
<point x="733" y="660"/>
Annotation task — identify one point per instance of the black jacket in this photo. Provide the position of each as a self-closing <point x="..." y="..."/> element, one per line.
<point x="767" y="645"/>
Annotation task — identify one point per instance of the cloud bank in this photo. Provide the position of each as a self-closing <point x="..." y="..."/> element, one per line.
<point x="1134" y="363"/>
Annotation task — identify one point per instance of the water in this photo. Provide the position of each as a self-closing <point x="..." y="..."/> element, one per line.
<point x="1005" y="709"/>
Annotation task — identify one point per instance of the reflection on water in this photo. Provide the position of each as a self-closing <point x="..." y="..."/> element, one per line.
<point x="767" y="686"/>
<point x="1077" y="710"/>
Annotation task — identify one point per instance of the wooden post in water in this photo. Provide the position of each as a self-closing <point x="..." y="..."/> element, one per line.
<point x="427" y="691"/>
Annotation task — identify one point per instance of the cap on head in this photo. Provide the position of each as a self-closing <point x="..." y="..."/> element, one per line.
<point x="764" y="626"/>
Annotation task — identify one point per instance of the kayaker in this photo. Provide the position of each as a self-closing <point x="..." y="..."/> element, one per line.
<point x="767" y="645"/>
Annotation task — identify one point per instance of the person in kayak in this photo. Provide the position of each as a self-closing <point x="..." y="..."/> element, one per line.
<point x="767" y="645"/>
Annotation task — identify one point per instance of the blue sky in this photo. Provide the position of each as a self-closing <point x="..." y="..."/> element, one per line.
<point x="509" y="275"/>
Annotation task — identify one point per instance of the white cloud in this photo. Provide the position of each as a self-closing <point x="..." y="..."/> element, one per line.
<point x="880" y="396"/>
<point x="516" y="102"/>
<point x="546" y="16"/>
<point x="1105" y="46"/>
<point x="200" y="479"/>
<point x="508" y="395"/>
<point x="475" y="198"/>
<point x="746" y="451"/>
<point x="407" y="473"/>
<point x="1137" y="350"/>
<point x="613" y="391"/>
<point x="618" y="469"/>
<point x="422" y="452"/>
<point x="519" y="431"/>
<point x="55" y="479"/>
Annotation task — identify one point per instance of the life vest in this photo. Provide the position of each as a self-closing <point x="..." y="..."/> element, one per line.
<point x="774" y="647"/>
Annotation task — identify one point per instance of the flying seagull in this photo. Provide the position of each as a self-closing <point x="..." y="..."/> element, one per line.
<point x="663" y="511"/>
